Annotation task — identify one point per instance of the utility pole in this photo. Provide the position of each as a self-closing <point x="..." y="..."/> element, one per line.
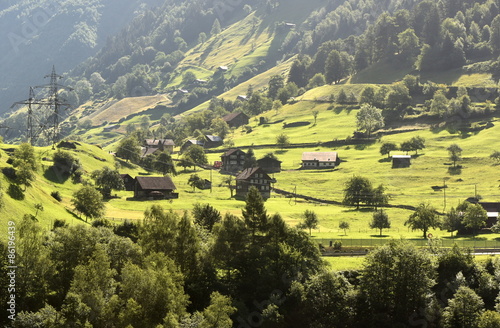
<point x="444" y="192"/>
<point x="45" y="118"/>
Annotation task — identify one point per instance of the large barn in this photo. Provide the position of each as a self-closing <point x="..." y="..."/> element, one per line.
<point x="154" y="187"/>
<point x="320" y="160"/>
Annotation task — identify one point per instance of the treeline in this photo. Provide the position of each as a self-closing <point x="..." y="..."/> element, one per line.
<point x="427" y="34"/>
<point x="206" y="269"/>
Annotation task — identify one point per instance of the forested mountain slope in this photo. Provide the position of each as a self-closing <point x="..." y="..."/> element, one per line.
<point x="38" y="34"/>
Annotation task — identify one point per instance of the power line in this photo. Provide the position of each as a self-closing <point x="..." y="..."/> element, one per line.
<point x="45" y="117"/>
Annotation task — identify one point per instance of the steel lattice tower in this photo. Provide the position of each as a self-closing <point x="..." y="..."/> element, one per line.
<point x="45" y="117"/>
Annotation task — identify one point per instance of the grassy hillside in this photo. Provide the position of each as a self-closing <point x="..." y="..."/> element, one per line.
<point x="113" y="111"/>
<point x="47" y="181"/>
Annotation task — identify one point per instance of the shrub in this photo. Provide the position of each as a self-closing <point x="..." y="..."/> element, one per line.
<point x="337" y="245"/>
<point x="102" y="222"/>
<point x="56" y="195"/>
<point x="59" y="224"/>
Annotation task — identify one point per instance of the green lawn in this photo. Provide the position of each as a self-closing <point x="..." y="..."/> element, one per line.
<point x="341" y="263"/>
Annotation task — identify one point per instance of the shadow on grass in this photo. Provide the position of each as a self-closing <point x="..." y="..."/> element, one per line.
<point x="385" y="160"/>
<point x="55" y="175"/>
<point x="15" y="192"/>
<point x="379" y="236"/>
<point x="361" y="209"/>
<point x="455" y="170"/>
<point x="281" y="151"/>
<point x="361" y="146"/>
<point x="125" y="163"/>
<point x="75" y="216"/>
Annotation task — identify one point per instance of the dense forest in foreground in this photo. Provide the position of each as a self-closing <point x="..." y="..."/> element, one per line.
<point x="205" y="269"/>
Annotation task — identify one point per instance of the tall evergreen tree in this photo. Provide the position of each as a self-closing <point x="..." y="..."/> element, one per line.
<point x="254" y="213"/>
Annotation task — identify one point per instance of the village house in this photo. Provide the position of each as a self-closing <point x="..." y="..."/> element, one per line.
<point x="269" y="164"/>
<point x="128" y="182"/>
<point x="213" y="141"/>
<point x="401" y="161"/>
<point x="236" y="119"/>
<point x="161" y="144"/>
<point x="190" y="143"/>
<point x="233" y="160"/>
<point x="320" y="160"/>
<point x="492" y="210"/>
<point x="254" y="176"/>
<point x="154" y="187"/>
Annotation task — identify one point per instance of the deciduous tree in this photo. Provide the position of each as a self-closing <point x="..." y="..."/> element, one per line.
<point x="357" y="190"/>
<point x="88" y="201"/>
<point x="380" y="220"/>
<point x="369" y="118"/>
<point x="424" y="218"/>
<point x="387" y="147"/>
<point x="282" y="140"/>
<point x="344" y="225"/>
<point x="106" y="180"/>
<point x="310" y="221"/>
<point x="129" y="149"/>
<point x="475" y="217"/>
<point x="397" y="279"/>
<point x="455" y="153"/>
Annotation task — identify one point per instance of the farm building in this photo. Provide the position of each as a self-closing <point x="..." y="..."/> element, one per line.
<point x="154" y="187"/>
<point x="492" y="209"/>
<point x="269" y="164"/>
<point x="319" y="160"/>
<point x="254" y="176"/>
<point x="235" y="120"/>
<point x="189" y="143"/>
<point x="128" y="182"/>
<point x="233" y="160"/>
<point x="401" y="161"/>
<point x="161" y="144"/>
<point x="213" y="141"/>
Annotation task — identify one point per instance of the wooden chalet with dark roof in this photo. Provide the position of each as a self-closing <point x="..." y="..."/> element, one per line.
<point x="190" y="143"/>
<point x="254" y="176"/>
<point x="233" y="160"/>
<point x="128" y="182"/>
<point x="154" y="187"/>
<point x="492" y="210"/>
<point x="236" y="119"/>
<point x="212" y="141"/>
<point x="161" y="144"/>
<point x="269" y="164"/>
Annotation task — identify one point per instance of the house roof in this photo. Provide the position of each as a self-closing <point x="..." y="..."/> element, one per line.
<point x="249" y="172"/>
<point x="125" y="175"/>
<point x="401" y="156"/>
<point x="145" y="151"/>
<point x="268" y="159"/>
<point x="157" y="142"/>
<point x="232" y="151"/>
<point x="213" y="138"/>
<point x="194" y="142"/>
<point x="320" y="156"/>
<point x="155" y="183"/>
<point x="232" y="116"/>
